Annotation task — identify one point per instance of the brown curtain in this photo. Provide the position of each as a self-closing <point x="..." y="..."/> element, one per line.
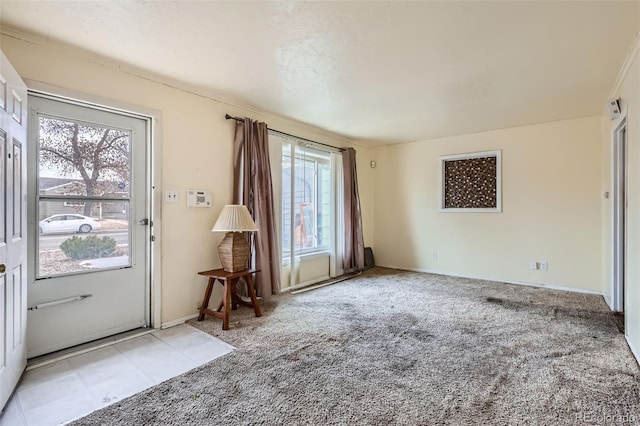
<point x="354" y="242"/>
<point x="252" y="187"/>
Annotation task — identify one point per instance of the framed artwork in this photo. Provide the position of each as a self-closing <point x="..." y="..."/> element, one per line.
<point x="471" y="183"/>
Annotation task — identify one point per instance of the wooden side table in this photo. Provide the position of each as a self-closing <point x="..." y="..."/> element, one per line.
<point x="230" y="300"/>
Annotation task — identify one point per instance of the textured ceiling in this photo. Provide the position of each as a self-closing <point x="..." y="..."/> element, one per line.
<point x="383" y="72"/>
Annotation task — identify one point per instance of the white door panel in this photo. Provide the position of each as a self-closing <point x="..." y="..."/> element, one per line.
<point x="82" y="293"/>
<point x="13" y="280"/>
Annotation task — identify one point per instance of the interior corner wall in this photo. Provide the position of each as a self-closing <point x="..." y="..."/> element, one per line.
<point x="550" y="207"/>
<point x="196" y="151"/>
<point x="629" y="94"/>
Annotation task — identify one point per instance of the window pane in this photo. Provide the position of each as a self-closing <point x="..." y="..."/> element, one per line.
<point x="310" y="206"/>
<point x="82" y="159"/>
<point x="286" y="197"/>
<point x="72" y="243"/>
<point x="304" y="203"/>
<point x="324" y="204"/>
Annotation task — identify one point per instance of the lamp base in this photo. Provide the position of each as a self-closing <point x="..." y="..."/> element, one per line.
<point x="234" y="252"/>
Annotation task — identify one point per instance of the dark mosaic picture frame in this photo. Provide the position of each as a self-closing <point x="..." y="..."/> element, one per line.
<point x="471" y="182"/>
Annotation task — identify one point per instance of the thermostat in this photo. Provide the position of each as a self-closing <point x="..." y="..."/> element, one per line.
<point x="197" y="198"/>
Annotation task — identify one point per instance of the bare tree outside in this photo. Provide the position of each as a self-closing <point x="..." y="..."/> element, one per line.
<point x="98" y="155"/>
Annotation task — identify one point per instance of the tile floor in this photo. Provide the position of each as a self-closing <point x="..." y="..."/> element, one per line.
<point x="73" y="387"/>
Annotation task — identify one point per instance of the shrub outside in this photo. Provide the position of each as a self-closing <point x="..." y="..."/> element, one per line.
<point x="90" y="247"/>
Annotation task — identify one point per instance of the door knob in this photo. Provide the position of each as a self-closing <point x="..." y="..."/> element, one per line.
<point x="3" y="268"/>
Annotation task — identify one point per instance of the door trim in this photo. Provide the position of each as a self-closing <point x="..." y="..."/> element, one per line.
<point x="618" y="213"/>
<point x="154" y="175"/>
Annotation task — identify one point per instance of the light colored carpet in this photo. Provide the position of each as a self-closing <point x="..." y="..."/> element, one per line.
<point x="404" y="348"/>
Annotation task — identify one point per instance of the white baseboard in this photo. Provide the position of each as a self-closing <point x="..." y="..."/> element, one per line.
<point x="633" y="349"/>
<point x="178" y="321"/>
<point x="551" y="287"/>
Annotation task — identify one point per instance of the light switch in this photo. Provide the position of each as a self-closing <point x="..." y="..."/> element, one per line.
<point x="171" y="196"/>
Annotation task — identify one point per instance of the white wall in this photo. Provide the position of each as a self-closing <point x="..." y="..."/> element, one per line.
<point x="627" y="88"/>
<point x="196" y="151"/>
<point x="550" y="199"/>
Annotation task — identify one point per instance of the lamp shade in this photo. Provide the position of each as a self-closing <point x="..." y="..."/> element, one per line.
<point x="234" y="218"/>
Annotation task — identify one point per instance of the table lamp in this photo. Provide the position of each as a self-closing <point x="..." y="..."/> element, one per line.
<point x="234" y="251"/>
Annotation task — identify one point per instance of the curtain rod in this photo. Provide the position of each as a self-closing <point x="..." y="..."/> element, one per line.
<point x="230" y="117"/>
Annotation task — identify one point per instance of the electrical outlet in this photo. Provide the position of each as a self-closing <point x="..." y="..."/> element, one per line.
<point x="533" y="265"/>
<point x="171" y="196"/>
<point x="434" y="255"/>
<point x="544" y="266"/>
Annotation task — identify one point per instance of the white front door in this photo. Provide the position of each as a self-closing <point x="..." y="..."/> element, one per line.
<point x="13" y="230"/>
<point x="90" y="216"/>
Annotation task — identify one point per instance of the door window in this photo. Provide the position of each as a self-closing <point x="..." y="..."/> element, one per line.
<point x="83" y="196"/>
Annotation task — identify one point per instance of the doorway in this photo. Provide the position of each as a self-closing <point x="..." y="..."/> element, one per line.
<point x="619" y="215"/>
<point x="89" y="210"/>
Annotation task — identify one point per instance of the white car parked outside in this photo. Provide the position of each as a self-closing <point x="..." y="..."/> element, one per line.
<point x="68" y="223"/>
